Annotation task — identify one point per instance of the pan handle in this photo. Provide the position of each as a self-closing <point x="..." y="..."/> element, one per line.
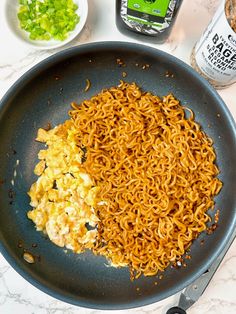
<point x="176" y="310"/>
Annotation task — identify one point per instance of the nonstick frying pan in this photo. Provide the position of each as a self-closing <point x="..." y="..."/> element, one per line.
<point x="43" y="95"/>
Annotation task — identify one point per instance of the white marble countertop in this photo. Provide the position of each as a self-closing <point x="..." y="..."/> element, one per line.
<point x="16" y="294"/>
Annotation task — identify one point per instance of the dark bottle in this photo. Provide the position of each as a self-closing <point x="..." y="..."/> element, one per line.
<point x="147" y="20"/>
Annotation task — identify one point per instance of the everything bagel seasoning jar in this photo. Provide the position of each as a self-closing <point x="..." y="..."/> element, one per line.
<point x="214" y="55"/>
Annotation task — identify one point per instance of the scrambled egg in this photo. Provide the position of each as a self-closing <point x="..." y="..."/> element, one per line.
<point x="63" y="196"/>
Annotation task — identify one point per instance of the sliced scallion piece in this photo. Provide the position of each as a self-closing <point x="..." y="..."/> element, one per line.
<point x="47" y="19"/>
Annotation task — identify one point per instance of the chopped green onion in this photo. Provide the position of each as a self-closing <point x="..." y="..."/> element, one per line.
<point x="47" y="19"/>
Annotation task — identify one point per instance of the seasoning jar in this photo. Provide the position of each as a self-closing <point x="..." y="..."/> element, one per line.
<point x="214" y="55"/>
<point x="147" y="20"/>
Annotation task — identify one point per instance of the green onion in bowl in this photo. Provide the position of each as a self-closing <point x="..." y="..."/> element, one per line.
<point x="48" y="19"/>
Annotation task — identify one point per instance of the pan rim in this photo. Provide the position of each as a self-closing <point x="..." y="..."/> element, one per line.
<point x="63" y="55"/>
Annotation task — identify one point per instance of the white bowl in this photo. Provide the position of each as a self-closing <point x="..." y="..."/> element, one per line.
<point x="11" y="10"/>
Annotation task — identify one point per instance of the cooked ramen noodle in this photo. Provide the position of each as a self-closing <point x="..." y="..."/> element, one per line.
<point x="135" y="167"/>
<point x="155" y="172"/>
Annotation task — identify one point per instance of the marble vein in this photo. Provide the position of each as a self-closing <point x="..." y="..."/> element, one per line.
<point x="11" y="70"/>
<point x="214" y="305"/>
<point x="210" y="5"/>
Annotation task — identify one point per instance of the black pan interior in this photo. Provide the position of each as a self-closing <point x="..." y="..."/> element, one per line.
<point x="43" y="95"/>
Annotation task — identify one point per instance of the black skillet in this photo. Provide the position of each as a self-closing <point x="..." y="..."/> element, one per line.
<point x="43" y="95"/>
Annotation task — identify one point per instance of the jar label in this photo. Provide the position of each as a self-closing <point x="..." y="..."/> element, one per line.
<point x="215" y="53"/>
<point x="147" y="16"/>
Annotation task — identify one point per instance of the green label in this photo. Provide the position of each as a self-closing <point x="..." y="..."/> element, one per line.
<point x="152" y="7"/>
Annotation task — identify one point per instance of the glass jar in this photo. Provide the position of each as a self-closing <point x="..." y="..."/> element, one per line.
<point x="147" y="20"/>
<point x="214" y="55"/>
